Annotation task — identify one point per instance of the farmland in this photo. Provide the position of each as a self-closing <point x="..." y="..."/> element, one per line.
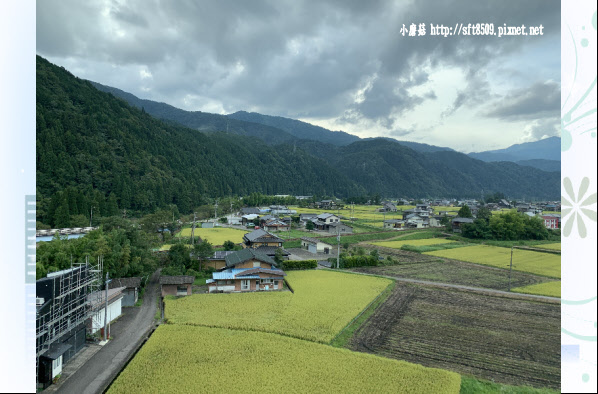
<point x="506" y="340"/>
<point x="180" y="358"/>
<point x="217" y="235"/>
<point x="337" y="298"/>
<point x="538" y="263"/>
<point x="552" y="289"/>
<point x="555" y="246"/>
<point x="397" y="244"/>
<point x="458" y="273"/>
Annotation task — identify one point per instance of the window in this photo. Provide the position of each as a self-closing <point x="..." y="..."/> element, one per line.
<point x="275" y="283"/>
<point x="256" y="264"/>
<point x="221" y="282"/>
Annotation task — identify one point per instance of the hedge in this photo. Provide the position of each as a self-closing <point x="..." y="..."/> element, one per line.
<point x="290" y="265"/>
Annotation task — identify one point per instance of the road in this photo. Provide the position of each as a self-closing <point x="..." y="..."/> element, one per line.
<point x="95" y="375"/>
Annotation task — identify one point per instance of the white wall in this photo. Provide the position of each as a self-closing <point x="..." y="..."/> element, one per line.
<point x="114" y="311"/>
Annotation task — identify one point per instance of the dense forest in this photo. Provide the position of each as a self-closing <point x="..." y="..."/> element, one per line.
<point x="97" y="152"/>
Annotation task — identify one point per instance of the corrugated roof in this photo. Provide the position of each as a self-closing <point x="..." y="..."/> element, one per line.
<point x="177" y="280"/>
<point x="125" y="282"/>
<point x="98" y="298"/>
<point x="56" y="350"/>
<point x="313" y="240"/>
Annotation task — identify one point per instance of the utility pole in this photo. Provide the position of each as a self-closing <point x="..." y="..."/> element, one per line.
<point x="338" y="245"/>
<point x="91" y="216"/>
<point x="106" y="310"/>
<point x="215" y="210"/>
<point x="510" y="268"/>
<point x="193" y="229"/>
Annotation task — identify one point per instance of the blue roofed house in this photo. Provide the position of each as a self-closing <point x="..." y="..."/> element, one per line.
<point x="247" y="270"/>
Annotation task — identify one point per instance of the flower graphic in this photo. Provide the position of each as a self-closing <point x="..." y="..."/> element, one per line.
<point x="577" y="207"/>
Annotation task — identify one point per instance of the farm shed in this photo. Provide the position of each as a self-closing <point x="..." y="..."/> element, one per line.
<point x="315" y="245"/>
<point x="457" y="222"/>
<point x="261" y="237"/>
<point x="130" y="291"/>
<point x="179" y="285"/>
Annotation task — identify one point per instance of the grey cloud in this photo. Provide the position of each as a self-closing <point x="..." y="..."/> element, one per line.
<point x="289" y="58"/>
<point x="537" y="101"/>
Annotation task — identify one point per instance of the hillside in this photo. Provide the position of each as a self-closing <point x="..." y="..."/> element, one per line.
<point x="100" y="146"/>
<point x="546" y="149"/>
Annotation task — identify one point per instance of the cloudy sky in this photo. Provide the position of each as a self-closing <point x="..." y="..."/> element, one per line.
<point x="344" y="65"/>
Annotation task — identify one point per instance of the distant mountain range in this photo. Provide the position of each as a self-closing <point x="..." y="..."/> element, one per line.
<point x="543" y="154"/>
<point x="96" y="143"/>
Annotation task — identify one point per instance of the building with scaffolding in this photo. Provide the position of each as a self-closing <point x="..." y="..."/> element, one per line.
<point x="62" y="308"/>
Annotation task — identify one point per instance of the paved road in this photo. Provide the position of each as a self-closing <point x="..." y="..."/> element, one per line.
<point x="462" y="287"/>
<point x="94" y="376"/>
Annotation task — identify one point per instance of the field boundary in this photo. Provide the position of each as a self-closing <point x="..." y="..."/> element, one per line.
<point x="387" y="291"/>
<point x="494" y="292"/>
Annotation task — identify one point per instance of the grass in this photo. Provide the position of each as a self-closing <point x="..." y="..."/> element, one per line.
<point x="345" y="336"/>
<point x="551" y="289"/>
<point x="555" y="246"/>
<point x="179" y="358"/>
<point x="538" y="263"/>
<point x="397" y="244"/>
<point x="324" y="302"/>
<point x="432" y="248"/>
<point x="216" y="236"/>
<point x="471" y="385"/>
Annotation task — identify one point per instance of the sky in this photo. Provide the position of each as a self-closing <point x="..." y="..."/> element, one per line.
<point x="340" y="64"/>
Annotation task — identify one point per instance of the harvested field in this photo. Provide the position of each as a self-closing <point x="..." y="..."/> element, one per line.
<point x="539" y="263"/>
<point x="415" y="242"/>
<point x="458" y="273"/>
<point x="507" y="340"/>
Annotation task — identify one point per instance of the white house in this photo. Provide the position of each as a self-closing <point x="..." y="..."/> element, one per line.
<point x="315" y="245"/>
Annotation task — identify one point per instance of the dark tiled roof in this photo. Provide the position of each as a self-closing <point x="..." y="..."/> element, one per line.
<point x="247" y="254"/>
<point x="125" y="282"/>
<point x="462" y="220"/>
<point x="176" y="280"/>
<point x="313" y="240"/>
<point x="270" y="250"/>
<point x="253" y="271"/>
<point x="261" y="236"/>
<point x="248" y="211"/>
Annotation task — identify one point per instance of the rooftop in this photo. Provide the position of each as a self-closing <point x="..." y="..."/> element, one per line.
<point x="177" y="280"/>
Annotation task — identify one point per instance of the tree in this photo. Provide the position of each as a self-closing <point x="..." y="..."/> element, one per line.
<point x="310" y="225"/>
<point x="465" y="212"/>
<point x="278" y="256"/>
<point x="179" y="257"/>
<point x="229" y="245"/>
<point x="484" y="214"/>
<point x="203" y="251"/>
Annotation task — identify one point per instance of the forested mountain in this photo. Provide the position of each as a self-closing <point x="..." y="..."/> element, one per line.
<point x="297" y="128"/>
<point x="94" y="149"/>
<point x="541" y="164"/>
<point x="391" y="169"/>
<point x="202" y="121"/>
<point x="546" y="149"/>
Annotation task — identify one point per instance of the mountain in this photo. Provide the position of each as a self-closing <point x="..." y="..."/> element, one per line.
<point x="391" y="169"/>
<point x="94" y="149"/>
<point x="546" y="149"/>
<point x="544" y="165"/>
<point x="201" y="121"/>
<point x="297" y="128"/>
<point x="113" y="156"/>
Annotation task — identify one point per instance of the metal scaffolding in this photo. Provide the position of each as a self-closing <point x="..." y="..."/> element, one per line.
<point x="69" y="306"/>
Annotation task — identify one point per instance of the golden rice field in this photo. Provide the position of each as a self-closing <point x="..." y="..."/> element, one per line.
<point x="217" y="235"/>
<point x="414" y="242"/>
<point x="539" y="263"/>
<point x="324" y="302"/>
<point x="555" y="246"/>
<point x="187" y="359"/>
<point x="552" y="289"/>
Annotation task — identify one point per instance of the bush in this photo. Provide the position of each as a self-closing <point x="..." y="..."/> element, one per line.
<point x="290" y="265"/>
<point x="356" y="261"/>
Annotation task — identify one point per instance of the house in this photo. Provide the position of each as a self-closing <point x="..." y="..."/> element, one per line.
<point x="277" y="225"/>
<point x="61" y="313"/>
<point x="218" y="259"/>
<point x="130" y="291"/>
<point x="248" y="219"/>
<point x="339" y="228"/>
<point x="247" y="270"/>
<point x="176" y="285"/>
<point x="304" y="217"/>
<point x="457" y="222"/>
<point x="250" y="211"/>
<point x="315" y="245"/>
<point x="388" y="207"/>
<point x="424" y="213"/>
<point x="504" y="203"/>
<point x="97" y="302"/>
<point x="551" y="221"/>
<point x="261" y="237"/>
<point x="417" y="220"/>
<point x="394" y="224"/>
<point x="325" y="204"/>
